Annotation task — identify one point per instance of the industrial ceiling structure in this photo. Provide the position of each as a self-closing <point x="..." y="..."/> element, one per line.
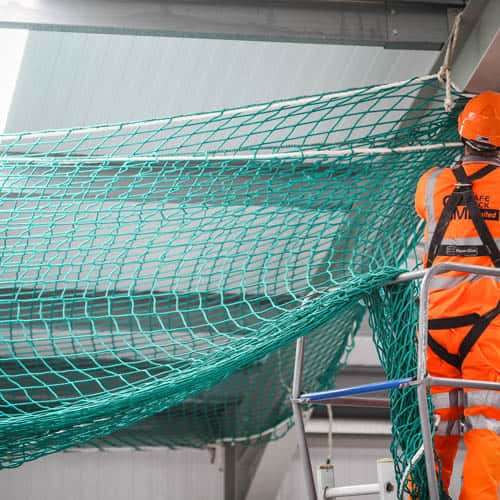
<point x="402" y="24"/>
<point x="421" y="24"/>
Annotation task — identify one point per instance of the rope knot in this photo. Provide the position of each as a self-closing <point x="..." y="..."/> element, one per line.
<point x="444" y="73"/>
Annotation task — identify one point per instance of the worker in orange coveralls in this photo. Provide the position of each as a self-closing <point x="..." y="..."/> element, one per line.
<point x="461" y="207"/>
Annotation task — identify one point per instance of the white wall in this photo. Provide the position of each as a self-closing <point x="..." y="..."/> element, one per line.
<point x="163" y="474"/>
<point x="159" y="474"/>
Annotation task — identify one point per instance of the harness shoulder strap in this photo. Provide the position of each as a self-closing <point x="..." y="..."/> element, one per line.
<point x="463" y="193"/>
<point x="442" y="224"/>
<point x="483" y="172"/>
<point x="475" y="213"/>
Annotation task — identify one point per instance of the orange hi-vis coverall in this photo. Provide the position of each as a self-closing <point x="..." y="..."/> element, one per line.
<point x="464" y="323"/>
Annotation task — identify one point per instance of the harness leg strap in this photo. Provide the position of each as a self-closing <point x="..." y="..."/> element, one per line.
<point x="477" y="330"/>
<point x="480" y="323"/>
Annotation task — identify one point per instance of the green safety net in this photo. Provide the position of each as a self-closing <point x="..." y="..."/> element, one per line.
<point x="168" y="266"/>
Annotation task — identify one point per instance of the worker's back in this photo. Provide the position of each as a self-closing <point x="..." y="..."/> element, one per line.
<point x="461" y="243"/>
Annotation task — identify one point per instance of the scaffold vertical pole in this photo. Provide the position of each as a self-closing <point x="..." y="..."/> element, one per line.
<point x="423" y="406"/>
<point x="299" y="420"/>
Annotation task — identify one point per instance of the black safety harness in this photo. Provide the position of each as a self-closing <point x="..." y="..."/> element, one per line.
<point x="463" y="195"/>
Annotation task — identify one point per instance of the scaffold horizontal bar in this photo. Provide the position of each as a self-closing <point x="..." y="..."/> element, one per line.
<point x="358" y="402"/>
<point x="354" y="490"/>
<point x="408" y="276"/>
<point x="321" y="397"/>
<point x="441" y="268"/>
<point x="460" y="382"/>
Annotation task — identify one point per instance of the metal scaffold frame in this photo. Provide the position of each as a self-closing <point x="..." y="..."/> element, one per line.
<point x="422" y="382"/>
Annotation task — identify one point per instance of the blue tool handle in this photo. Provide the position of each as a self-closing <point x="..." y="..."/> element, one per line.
<point x="357" y="389"/>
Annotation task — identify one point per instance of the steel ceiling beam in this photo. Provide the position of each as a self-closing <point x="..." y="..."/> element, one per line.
<point x="389" y="23"/>
<point x="476" y="66"/>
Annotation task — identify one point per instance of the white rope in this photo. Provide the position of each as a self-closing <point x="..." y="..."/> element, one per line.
<point x="277" y="431"/>
<point x="444" y="74"/>
<point x="330" y="434"/>
<point x="413" y="461"/>
<point x="283" y="383"/>
<point x="218" y="114"/>
<point x="418" y="455"/>
<point x="324" y="153"/>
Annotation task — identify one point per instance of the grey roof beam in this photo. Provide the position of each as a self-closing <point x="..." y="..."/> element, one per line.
<point x="476" y="64"/>
<point x="391" y="24"/>
<point x="448" y="3"/>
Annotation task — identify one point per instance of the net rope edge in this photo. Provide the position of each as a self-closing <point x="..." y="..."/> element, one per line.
<point x="229" y="112"/>
<point x="321" y="153"/>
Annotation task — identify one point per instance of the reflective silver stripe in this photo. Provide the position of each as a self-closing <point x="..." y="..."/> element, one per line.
<point x="474" y="241"/>
<point x="452" y="399"/>
<point x="444" y="282"/>
<point x="471" y="240"/>
<point x="449" y="428"/>
<point x="482" y="398"/>
<point x="482" y="422"/>
<point x="421" y="250"/>
<point x="430" y="188"/>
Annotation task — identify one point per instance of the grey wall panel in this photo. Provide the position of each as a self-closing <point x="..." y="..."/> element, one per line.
<point x="70" y="79"/>
<point x="164" y="474"/>
<point x="160" y="474"/>
<point x="355" y="463"/>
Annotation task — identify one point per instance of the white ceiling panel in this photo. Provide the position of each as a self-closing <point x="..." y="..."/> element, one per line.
<point x="70" y="79"/>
